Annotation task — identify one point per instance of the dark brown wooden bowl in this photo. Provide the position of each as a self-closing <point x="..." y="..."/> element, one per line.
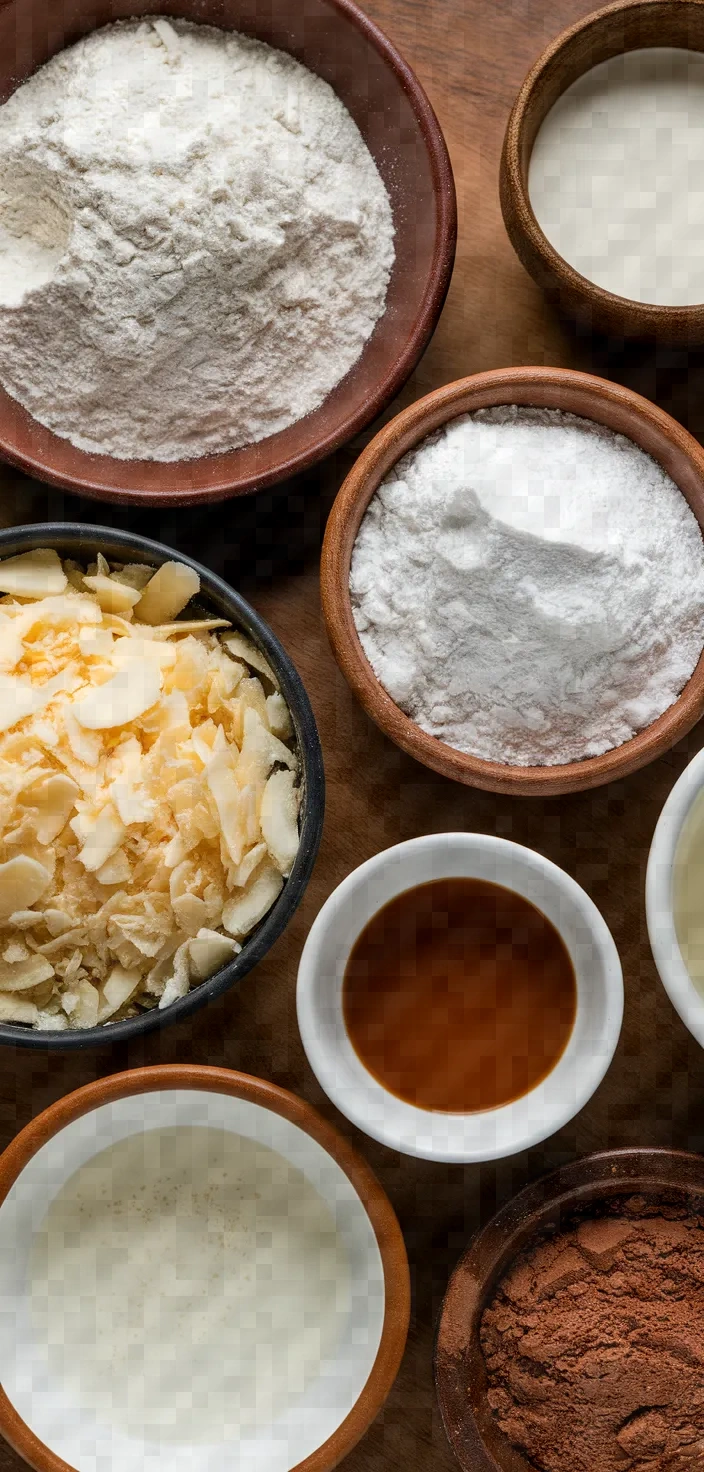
<point x="554" y="388"/>
<point x="460" y="1372"/>
<point x="397" y="1295"/>
<point x="336" y="40"/>
<point x="625" y="26"/>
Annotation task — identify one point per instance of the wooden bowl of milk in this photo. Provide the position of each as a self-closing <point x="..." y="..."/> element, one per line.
<point x="602" y="189"/>
<point x="196" y="1272"/>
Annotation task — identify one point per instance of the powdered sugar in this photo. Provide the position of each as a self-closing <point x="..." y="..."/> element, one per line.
<point x="195" y="243"/>
<point x="529" y="586"/>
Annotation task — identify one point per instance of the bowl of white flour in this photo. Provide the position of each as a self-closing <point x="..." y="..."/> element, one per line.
<point x="197" y="1272"/>
<point x="513" y="581"/>
<point x="223" y="244"/>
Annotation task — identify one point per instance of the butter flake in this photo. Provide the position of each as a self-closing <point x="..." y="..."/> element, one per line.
<point x="99" y="835"/>
<point x="209" y="951"/>
<point x="22" y="976"/>
<point x="117" y="991"/>
<point x="23" y="880"/>
<point x="220" y="778"/>
<point x="51" y="799"/>
<point x="279" y="820"/>
<point x="179" y="981"/>
<point x="241" y="914"/>
<point x="85" y="746"/>
<point x="126" y="696"/>
<point x="113" y="597"/>
<point x="167" y="593"/>
<point x="17" y="1009"/>
<point x="240" y="647"/>
<point x="35" y="574"/>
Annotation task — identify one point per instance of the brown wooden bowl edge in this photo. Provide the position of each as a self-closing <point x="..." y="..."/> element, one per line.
<point x="280" y="1101"/>
<point x="598" y="309"/>
<point x="394" y="439"/>
<point x="607" y="1173"/>
<point x="437" y="285"/>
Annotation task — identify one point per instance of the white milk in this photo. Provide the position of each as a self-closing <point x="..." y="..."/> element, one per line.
<point x="687" y="890"/>
<point x="189" y="1282"/>
<point x="616" y="176"/>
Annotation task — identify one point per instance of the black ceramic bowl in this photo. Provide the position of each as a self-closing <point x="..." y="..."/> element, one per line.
<point x="82" y="543"/>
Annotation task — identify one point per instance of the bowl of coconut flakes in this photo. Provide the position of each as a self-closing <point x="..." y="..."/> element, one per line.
<point x="161" y="786"/>
<point x="226" y="235"/>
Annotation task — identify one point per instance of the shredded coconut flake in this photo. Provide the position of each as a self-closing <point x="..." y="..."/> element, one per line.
<point x="135" y="817"/>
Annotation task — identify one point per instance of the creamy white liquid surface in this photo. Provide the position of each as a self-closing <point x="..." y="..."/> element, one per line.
<point x="687" y="892"/>
<point x="616" y="177"/>
<point x="189" y="1283"/>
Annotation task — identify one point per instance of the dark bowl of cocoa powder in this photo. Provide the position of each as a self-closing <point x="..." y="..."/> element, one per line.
<point x="571" y="1337"/>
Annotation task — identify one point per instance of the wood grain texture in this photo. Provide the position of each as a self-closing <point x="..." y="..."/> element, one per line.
<point x="472" y="56"/>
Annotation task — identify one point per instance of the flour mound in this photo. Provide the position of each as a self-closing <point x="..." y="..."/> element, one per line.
<point x="195" y="242"/>
<point x="528" y="586"/>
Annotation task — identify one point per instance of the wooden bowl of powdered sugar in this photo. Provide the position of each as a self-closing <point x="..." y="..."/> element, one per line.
<point x="513" y="581"/>
<point x="227" y="229"/>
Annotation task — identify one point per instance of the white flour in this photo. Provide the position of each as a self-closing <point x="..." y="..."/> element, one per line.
<point x="195" y="243"/>
<point x="529" y="587"/>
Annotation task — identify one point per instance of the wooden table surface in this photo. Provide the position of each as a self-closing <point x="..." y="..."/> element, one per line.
<point x="471" y="56"/>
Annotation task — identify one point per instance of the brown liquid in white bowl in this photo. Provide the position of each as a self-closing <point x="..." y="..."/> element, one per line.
<point x="459" y="995"/>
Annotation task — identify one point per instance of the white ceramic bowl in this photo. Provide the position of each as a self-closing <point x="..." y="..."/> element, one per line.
<point x="494" y="1132"/>
<point x="44" y="1420"/>
<point x="684" y="995"/>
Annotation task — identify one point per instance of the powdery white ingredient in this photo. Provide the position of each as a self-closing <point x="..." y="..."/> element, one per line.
<point x="528" y="586"/>
<point x="188" y="1285"/>
<point x="195" y="243"/>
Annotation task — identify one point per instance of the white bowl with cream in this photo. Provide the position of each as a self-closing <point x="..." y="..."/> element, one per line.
<point x="307" y="1365"/>
<point x="673" y="896"/>
<point x="492" y="1133"/>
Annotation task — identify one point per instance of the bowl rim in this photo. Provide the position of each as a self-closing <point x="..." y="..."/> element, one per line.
<point x="70" y="536"/>
<point x="687" y="1001"/>
<point x="647" y="317"/>
<point x="535" y="386"/>
<point x="322" y="1058"/>
<point x="299" y="1112"/>
<point x="623" y="1170"/>
<point x="222" y="484"/>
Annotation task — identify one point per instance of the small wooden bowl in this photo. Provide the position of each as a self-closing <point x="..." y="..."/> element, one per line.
<point x="625" y="26"/>
<point x="105" y="1096"/>
<point x="338" y="42"/>
<point x="673" y="1176"/>
<point x="555" y="388"/>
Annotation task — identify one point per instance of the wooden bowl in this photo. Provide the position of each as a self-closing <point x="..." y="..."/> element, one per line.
<point x="124" y="1104"/>
<point x="673" y="1176"/>
<point x="336" y="40"/>
<point x="626" y="26"/>
<point x="555" y="388"/>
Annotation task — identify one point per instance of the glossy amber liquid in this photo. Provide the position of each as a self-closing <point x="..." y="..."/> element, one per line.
<point x="459" y="995"/>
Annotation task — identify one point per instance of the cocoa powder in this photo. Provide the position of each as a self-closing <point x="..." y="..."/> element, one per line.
<point x="594" y="1345"/>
